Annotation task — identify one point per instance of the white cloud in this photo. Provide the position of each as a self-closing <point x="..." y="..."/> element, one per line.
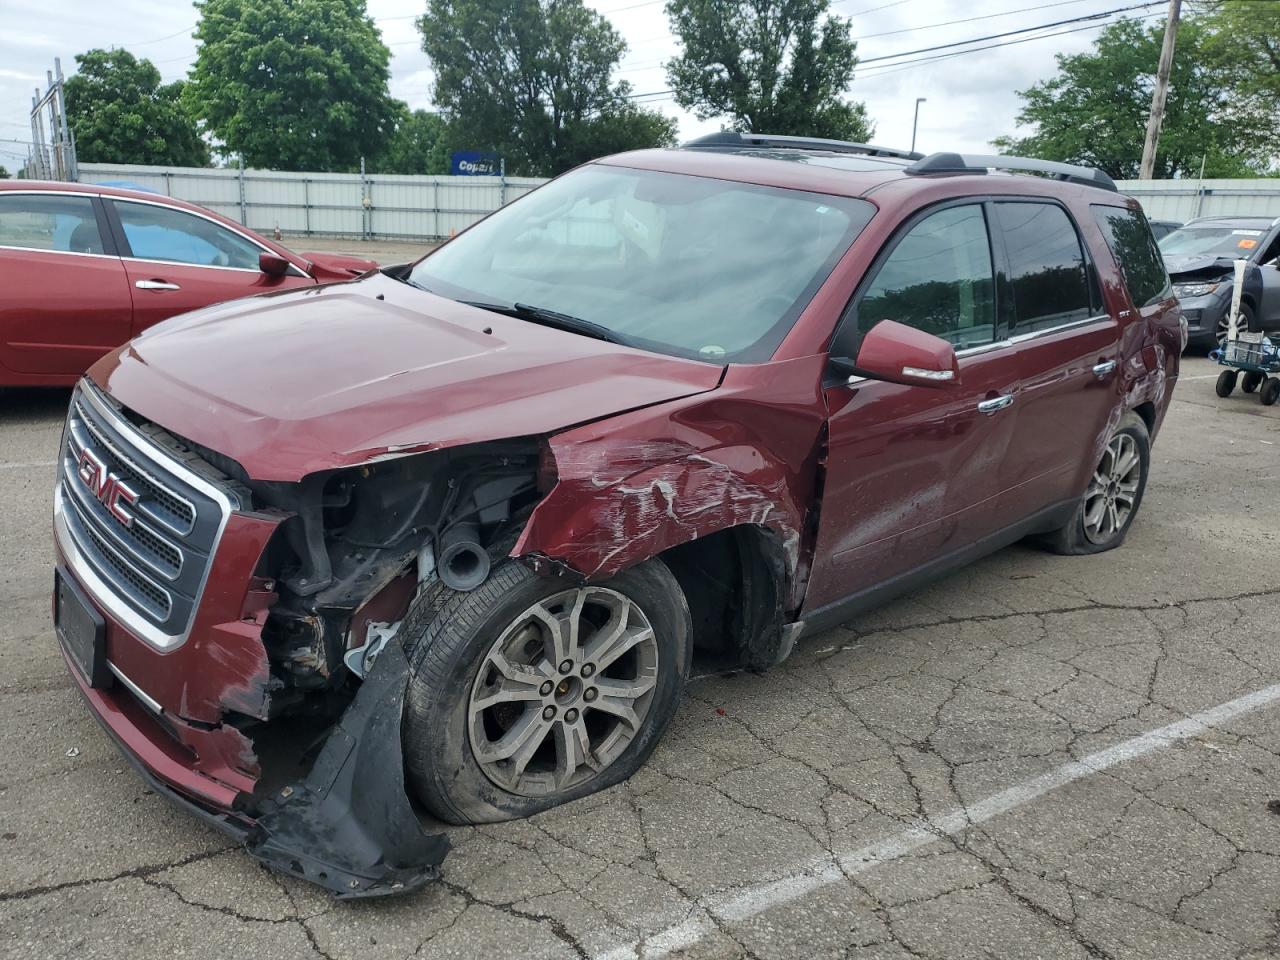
<point x="971" y="98"/>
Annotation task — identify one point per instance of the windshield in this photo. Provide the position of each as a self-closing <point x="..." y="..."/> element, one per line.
<point x="689" y="266"/>
<point x="1231" y="243"/>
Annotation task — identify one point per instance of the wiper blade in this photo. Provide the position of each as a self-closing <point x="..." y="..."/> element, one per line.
<point x="550" y="318"/>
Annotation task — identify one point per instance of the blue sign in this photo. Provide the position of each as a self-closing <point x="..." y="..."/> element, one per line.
<point x="475" y="163"/>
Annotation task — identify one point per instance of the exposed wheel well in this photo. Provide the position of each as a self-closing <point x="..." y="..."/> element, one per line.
<point x="734" y="581"/>
<point x="1147" y="411"/>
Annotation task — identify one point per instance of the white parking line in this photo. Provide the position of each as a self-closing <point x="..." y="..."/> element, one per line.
<point x="26" y="466"/>
<point x="743" y="904"/>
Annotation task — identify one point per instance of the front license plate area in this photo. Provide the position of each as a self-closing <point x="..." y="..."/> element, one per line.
<point x="81" y="630"/>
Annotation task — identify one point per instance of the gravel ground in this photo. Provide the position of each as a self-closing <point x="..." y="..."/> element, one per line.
<point x="1036" y="757"/>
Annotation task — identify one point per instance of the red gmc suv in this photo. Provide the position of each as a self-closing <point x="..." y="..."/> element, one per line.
<point x="440" y="542"/>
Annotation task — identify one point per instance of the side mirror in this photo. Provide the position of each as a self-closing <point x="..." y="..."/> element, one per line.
<point x="900" y="354"/>
<point x="272" y="264"/>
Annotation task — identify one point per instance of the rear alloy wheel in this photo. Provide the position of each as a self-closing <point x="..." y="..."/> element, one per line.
<point x="1111" y="500"/>
<point x="531" y="691"/>
<point x="1113" y="490"/>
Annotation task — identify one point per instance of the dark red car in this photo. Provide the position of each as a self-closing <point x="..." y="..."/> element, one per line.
<point x="84" y="268"/>
<point x="455" y="530"/>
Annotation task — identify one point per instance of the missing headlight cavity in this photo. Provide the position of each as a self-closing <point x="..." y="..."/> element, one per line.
<point x="354" y="533"/>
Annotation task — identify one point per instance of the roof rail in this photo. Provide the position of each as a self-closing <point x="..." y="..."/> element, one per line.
<point x="978" y="163"/>
<point x="729" y="140"/>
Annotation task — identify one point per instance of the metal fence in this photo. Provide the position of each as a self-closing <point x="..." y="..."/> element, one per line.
<point x="369" y="206"/>
<point x="390" y="206"/>
<point x="1185" y="200"/>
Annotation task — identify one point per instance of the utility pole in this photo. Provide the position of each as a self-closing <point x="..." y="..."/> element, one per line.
<point x="1161" y="92"/>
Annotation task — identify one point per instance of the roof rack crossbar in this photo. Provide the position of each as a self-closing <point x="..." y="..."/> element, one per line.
<point x="980" y="163"/>
<point x="730" y="140"/>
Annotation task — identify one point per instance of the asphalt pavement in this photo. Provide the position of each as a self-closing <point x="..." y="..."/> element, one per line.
<point x="1036" y="757"/>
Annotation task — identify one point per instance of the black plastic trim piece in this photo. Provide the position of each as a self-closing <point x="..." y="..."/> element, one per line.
<point x="838" y="612"/>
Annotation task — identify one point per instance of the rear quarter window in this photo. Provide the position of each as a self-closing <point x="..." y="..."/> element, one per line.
<point x="1129" y="237"/>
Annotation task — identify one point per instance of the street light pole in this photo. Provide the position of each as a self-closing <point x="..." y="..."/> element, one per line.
<point x="915" y="122"/>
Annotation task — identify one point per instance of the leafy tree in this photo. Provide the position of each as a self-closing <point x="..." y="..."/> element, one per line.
<point x="767" y="65"/>
<point x="293" y="84"/>
<point x="4" y="174"/>
<point x="1243" y="46"/>
<point x="119" y="112"/>
<point x="417" y="145"/>
<point x="1094" y="111"/>
<point x="532" y="79"/>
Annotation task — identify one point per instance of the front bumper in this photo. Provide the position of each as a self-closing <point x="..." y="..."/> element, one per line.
<point x="347" y="826"/>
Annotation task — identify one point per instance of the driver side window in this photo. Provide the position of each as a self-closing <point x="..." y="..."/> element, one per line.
<point x="162" y="233"/>
<point x="938" y="279"/>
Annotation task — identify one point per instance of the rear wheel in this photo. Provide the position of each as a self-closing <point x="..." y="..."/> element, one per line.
<point x="1226" y="383"/>
<point x="1109" y="505"/>
<point x="529" y="691"/>
<point x="1270" y="392"/>
<point x="1251" y="381"/>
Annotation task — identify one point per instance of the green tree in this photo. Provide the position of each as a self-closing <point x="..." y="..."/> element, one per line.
<point x="293" y="84"/>
<point x="1243" y="46"/>
<point x="1094" y="111"/>
<point x="120" y="112"/>
<point x="532" y="79"/>
<point x="4" y="174"/>
<point x="768" y="66"/>
<point x="417" y="145"/>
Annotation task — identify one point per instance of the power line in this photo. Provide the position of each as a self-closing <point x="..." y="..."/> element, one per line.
<point x="888" y="68"/>
<point x="952" y="23"/>
<point x="1010" y="33"/>
<point x="956" y="53"/>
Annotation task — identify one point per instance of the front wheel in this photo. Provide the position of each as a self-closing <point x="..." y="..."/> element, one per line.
<point x="1270" y="392"/>
<point x="1225" y="383"/>
<point x="1109" y="505"/>
<point x="529" y="691"/>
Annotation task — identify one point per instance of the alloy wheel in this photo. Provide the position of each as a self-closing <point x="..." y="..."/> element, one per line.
<point x="563" y="691"/>
<point x="1113" y="489"/>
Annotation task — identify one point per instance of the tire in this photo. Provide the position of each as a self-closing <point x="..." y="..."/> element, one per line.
<point x="1251" y="382"/>
<point x="1270" y="392"/>
<point x="461" y="723"/>
<point x="1079" y="536"/>
<point x="1245" y="322"/>
<point x="1226" y="383"/>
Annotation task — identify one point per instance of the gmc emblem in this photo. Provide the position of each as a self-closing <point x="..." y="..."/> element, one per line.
<point x="112" y="492"/>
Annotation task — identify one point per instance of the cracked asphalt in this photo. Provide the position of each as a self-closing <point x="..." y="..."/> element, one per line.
<point x="1029" y="759"/>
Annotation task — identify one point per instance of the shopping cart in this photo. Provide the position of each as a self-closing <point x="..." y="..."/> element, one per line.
<point x="1247" y="352"/>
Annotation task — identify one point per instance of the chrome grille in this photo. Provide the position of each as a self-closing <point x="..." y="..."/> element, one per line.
<point x="150" y="571"/>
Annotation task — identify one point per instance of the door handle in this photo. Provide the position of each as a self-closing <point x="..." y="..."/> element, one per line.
<point x="156" y="285"/>
<point x="1104" y="368"/>
<point x="998" y="403"/>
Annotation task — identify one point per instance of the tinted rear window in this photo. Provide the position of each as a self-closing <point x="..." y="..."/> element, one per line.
<point x="1048" y="275"/>
<point x="1135" y="250"/>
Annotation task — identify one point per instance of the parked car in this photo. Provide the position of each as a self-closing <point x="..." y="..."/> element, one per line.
<point x="473" y="515"/>
<point x="1162" y="228"/>
<point x="87" y="267"/>
<point x="1200" y="257"/>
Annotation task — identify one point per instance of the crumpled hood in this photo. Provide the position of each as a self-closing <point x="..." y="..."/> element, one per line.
<point x="305" y="380"/>
<point x="1191" y="264"/>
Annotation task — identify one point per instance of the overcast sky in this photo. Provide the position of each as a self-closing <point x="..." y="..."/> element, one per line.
<point x="971" y="98"/>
